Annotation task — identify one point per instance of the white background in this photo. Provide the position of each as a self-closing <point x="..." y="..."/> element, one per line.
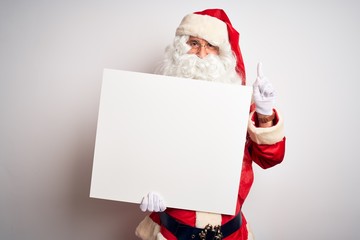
<point x="52" y="54"/>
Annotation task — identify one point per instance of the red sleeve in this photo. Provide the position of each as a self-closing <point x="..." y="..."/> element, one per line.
<point x="155" y="217"/>
<point x="266" y="145"/>
<point x="267" y="156"/>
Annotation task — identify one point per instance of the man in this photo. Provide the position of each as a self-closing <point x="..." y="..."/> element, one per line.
<point x="206" y="47"/>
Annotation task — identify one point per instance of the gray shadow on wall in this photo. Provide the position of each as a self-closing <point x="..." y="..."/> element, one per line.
<point x="109" y="217"/>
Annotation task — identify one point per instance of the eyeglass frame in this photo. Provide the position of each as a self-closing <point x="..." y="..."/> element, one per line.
<point x="197" y="48"/>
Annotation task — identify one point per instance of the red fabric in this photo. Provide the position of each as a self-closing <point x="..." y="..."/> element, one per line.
<point x="234" y="37"/>
<point x="265" y="156"/>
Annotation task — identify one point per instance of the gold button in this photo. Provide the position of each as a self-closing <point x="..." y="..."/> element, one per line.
<point x="193" y="236"/>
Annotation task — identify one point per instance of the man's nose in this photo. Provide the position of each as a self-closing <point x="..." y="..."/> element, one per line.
<point x="202" y="52"/>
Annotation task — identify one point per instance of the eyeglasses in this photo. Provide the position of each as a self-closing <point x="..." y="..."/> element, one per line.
<point x="196" y="46"/>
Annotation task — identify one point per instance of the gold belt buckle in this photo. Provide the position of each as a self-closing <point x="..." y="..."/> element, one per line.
<point x="216" y="230"/>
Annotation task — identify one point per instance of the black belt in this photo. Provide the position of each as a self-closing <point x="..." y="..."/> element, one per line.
<point x="186" y="232"/>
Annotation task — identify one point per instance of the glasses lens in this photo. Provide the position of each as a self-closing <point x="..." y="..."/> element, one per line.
<point x="196" y="45"/>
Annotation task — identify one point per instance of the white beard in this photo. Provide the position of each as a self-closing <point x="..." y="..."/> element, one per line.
<point x="177" y="62"/>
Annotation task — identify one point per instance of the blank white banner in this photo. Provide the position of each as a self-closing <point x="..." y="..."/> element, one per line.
<point x="179" y="137"/>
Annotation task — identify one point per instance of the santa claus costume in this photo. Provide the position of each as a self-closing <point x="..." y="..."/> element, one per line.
<point x="264" y="146"/>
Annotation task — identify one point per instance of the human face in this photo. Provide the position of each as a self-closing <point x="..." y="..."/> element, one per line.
<point x="201" y="47"/>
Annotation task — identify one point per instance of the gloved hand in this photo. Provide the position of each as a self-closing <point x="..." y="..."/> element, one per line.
<point x="263" y="93"/>
<point x="152" y="202"/>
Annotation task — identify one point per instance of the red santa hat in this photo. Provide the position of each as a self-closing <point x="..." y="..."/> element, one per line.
<point x="214" y="26"/>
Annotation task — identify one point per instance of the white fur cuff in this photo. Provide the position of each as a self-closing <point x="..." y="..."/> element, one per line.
<point x="270" y="135"/>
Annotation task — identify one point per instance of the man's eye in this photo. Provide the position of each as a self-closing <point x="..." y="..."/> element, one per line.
<point x="194" y="44"/>
<point x="210" y="46"/>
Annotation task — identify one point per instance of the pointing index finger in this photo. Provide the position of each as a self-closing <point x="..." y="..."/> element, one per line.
<point x="259" y="70"/>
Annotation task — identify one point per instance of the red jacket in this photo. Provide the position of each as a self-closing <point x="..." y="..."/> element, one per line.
<point x="265" y="147"/>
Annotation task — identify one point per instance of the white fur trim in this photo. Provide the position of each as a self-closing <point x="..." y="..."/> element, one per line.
<point x="209" y="28"/>
<point x="203" y="218"/>
<point x="250" y="234"/>
<point x="148" y="230"/>
<point x="160" y="237"/>
<point x="270" y="135"/>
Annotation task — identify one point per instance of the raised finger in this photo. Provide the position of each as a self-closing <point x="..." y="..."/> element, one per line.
<point x="259" y="70"/>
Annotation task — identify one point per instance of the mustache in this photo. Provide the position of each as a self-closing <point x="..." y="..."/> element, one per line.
<point x="207" y="68"/>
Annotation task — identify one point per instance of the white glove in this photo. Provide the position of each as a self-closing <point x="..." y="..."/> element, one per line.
<point x="263" y="93"/>
<point x="152" y="202"/>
